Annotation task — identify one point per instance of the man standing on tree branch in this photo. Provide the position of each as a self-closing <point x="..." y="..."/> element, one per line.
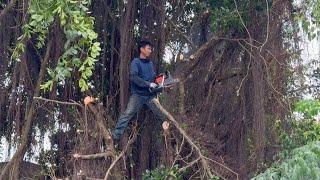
<point x="142" y="76"/>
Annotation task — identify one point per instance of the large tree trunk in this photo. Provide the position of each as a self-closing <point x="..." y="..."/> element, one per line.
<point x="147" y="151"/>
<point x="268" y="77"/>
<point x="126" y="48"/>
<point x="229" y="96"/>
<point x="230" y="93"/>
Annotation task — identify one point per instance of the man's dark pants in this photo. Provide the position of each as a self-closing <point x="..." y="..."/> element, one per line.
<point x="135" y="103"/>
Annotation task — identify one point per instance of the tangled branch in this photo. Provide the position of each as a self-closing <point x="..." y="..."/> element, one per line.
<point x="208" y="172"/>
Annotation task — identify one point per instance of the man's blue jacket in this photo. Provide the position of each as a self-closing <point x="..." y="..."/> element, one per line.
<point x="142" y="73"/>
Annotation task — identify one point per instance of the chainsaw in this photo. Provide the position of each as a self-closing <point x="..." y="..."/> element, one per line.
<point x="163" y="80"/>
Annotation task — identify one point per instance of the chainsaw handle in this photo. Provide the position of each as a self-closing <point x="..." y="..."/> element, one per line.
<point x="159" y="88"/>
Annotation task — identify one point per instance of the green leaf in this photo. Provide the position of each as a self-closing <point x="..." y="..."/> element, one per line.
<point x="47" y="86"/>
<point x="37" y="17"/>
<point x="76" y="62"/>
<point x="88" y="72"/>
<point x="83" y="85"/>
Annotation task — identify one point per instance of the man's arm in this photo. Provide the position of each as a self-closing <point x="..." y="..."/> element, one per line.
<point x="134" y="76"/>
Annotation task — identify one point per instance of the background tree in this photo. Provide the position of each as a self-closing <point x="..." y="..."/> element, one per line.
<point x="240" y="72"/>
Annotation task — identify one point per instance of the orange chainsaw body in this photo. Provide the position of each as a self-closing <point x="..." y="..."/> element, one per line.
<point x="159" y="79"/>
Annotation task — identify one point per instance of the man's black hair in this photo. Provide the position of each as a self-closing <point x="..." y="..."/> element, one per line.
<point x="144" y="43"/>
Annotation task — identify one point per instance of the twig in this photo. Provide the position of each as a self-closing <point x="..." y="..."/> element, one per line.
<point x="203" y="159"/>
<point x="240" y="17"/>
<point x="94" y="156"/>
<point x="189" y="165"/>
<point x="178" y="151"/>
<point x="181" y="33"/>
<point x="175" y="27"/>
<point x="58" y="102"/>
<point x="131" y="140"/>
<point x="268" y="24"/>
<point x="248" y="68"/>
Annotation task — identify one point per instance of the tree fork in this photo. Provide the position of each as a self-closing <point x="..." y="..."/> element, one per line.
<point x="203" y="159"/>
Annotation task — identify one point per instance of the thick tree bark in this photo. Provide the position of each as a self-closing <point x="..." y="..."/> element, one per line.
<point x="152" y="18"/>
<point x="126" y="47"/>
<point x="259" y="117"/>
<point x="149" y="148"/>
<point x="5" y="11"/>
<point x="218" y="116"/>
<point x="265" y="69"/>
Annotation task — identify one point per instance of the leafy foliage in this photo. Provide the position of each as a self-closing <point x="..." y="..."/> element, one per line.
<point x="309" y="108"/>
<point x="309" y="16"/>
<point x="300" y="157"/>
<point x="302" y="131"/>
<point x="225" y="15"/>
<point x="233" y="15"/>
<point x="303" y="163"/>
<point x="163" y="173"/>
<point x="81" y="48"/>
<point x="47" y="162"/>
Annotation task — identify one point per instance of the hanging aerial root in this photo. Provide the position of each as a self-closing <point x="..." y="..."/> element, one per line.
<point x="200" y="159"/>
<point x="203" y="160"/>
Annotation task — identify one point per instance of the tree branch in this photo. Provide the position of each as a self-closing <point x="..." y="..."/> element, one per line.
<point x="58" y="102"/>
<point x="203" y="159"/>
<point x="131" y="140"/>
<point x="94" y="156"/>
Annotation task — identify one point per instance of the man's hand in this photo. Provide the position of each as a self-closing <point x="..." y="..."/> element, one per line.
<point x="153" y="85"/>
